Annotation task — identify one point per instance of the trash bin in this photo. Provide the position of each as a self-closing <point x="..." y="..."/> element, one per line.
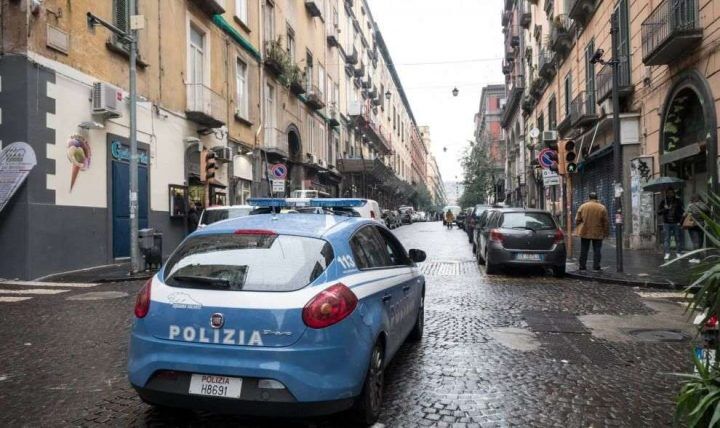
<point x="145" y="238"/>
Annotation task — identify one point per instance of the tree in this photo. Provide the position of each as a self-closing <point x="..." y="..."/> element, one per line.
<point x="422" y="198"/>
<point x="478" y="176"/>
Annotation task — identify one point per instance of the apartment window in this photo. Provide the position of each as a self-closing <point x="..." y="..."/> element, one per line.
<point x="350" y="36"/>
<point x="541" y="122"/>
<point x="590" y="77"/>
<point x="241" y="89"/>
<point x="291" y="43"/>
<point x="121" y="19"/>
<point x="382" y="96"/>
<point x="336" y="95"/>
<point x="269" y="22"/>
<point x="309" y="68"/>
<point x="196" y="68"/>
<point x="552" y="113"/>
<point x="394" y="118"/>
<point x="568" y="93"/>
<point x="321" y="81"/>
<point x="623" y="41"/>
<point x="241" y="11"/>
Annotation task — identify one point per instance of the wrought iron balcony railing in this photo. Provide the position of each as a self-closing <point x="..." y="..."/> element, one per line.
<point x="671" y="31"/>
<point x="583" y="111"/>
<point x="603" y="81"/>
<point x="582" y="10"/>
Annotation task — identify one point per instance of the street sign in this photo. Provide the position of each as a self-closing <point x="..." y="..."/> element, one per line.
<point x="550" y="178"/>
<point x="279" y="171"/>
<point x="278" y="186"/>
<point x="545" y="157"/>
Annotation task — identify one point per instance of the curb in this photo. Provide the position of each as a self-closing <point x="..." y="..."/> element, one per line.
<point x="626" y="282"/>
<point x="101" y="280"/>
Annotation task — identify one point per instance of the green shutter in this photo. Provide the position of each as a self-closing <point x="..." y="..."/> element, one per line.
<point x="590" y="77"/>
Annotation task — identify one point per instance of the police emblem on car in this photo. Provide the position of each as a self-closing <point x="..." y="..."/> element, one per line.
<point x="217" y="320"/>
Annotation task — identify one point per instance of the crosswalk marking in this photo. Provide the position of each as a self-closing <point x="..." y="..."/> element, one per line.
<point x="50" y="284"/>
<point x="11" y="299"/>
<point x="33" y="291"/>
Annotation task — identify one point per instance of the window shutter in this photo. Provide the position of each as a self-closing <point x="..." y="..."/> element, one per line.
<point x="122" y="14"/>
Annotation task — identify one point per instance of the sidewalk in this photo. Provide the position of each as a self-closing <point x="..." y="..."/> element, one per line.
<point x="118" y="272"/>
<point x="641" y="268"/>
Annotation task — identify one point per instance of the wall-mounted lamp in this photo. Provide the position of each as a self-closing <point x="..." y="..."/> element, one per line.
<point x="90" y="124"/>
<point x="455" y="92"/>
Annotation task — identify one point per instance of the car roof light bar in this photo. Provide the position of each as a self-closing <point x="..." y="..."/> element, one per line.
<point x="304" y="202"/>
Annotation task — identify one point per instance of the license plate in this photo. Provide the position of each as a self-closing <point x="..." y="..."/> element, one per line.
<point x="528" y="257"/>
<point x="215" y="386"/>
<point x="706" y="357"/>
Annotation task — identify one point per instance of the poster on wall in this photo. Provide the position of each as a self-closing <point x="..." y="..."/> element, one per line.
<point x="79" y="155"/>
<point x="16" y="162"/>
<point x="641" y="171"/>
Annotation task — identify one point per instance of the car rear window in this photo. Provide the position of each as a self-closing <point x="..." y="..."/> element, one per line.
<point x="535" y="221"/>
<point x="253" y="261"/>
<point x="213" y="216"/>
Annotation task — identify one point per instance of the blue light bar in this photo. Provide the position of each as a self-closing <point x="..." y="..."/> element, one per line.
<point x="304" y="202"/>
<point x="337" y="202"/>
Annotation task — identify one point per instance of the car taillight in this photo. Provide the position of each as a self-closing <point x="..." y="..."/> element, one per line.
<point x="142" y="301"/>
<point x="559" y="236"/>
<point x="496" y="235"/>
<point x="712" y="322"/>
<point x="329" y="307"/>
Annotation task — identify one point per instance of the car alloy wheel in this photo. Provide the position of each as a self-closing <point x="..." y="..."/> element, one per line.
<point x="367" y="406"/>
<point x="417" y="331"/>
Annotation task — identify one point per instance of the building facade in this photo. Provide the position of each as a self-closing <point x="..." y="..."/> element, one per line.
<point x="226" y="91"/>
<point x="669" y="86"/>
<point x="489" y="135"/>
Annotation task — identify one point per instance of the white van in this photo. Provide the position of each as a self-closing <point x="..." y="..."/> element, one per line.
<point x="214" y="214"/>
<point x="370" y="209"/>
<point x="308" y="193"/>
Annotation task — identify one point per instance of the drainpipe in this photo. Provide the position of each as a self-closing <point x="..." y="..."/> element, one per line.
<point x="257" y="151"/>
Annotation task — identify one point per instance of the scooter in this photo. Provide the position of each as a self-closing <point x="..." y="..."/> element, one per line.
<point x="710" y="334"/>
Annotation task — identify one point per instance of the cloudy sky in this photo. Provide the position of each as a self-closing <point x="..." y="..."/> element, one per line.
<point x="438" y="45"/>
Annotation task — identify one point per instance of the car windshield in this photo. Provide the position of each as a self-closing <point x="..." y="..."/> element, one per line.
<point x="528" y="220"/>
<point x="248" y="261"/>
<point x="215" y="215"/>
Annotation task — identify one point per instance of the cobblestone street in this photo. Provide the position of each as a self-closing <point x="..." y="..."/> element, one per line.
<point x="517" y="349"/>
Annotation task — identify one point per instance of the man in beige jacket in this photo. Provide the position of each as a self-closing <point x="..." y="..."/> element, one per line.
<point x="593" y="225"/>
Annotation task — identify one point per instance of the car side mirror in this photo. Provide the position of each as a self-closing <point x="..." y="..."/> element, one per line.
<point x="417" y="256"/>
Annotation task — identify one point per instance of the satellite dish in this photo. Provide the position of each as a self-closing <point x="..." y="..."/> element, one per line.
<point x="534" y="133"/>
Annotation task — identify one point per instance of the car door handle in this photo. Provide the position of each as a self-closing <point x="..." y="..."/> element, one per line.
<point x="387" y="297"/>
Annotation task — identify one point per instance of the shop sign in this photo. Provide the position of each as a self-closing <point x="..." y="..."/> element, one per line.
<point x="16" y="162"/>
<point x="121" y="152"/>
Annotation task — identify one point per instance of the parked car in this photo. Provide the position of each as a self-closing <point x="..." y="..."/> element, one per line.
<point x="472" y="222"/>
<point x="460" y="219"/>
<point x="277" y="314"/>
<point x="406" y="214"/>
<point x="422" y="216"/>
<point x="370" y="209"/>
<point x="521" y="237"/>
<point x="391" y="219"/>
<point x="214" y="214"/>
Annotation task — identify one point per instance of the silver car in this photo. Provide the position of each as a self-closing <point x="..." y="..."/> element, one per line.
<point x="521" y="237"/>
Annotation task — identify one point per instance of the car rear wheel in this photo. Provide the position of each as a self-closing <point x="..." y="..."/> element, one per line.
<point x="417" y="331"/>
<point x="367" y="405"/>
<point x="559" y="271"/>
<point x="474" y="248"/>
<point x="491" y="268"/>
<point x="480" y="258"/>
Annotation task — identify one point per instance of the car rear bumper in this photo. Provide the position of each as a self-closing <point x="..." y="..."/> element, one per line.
<point x="310" y="371"/>
<point x="499" y="255"/>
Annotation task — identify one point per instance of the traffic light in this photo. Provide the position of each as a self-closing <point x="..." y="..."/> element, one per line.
<point x="207" y="165"/>
<point x="568" y="157"/>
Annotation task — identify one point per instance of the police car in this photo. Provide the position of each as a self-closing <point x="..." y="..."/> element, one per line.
<point x="278" y="314"/>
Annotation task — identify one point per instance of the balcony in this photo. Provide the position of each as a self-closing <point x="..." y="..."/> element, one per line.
<point x="582" y="111"/>
<point x="205" y="106"/>
<point x="507" y="67"/>
<point x="275" y="141"/>
<point x="509" y="4"/>
<point x="353" y="58"/>
<point x="313" y="8"/>
<point x="603" y="82"/>
<point x="367" y="83"/>
<point x="333" y="38"/>
<point x="333" y="116"/>
<point x="582" y="10"/>
<point x="210" y="7"/>
<point x="516" y="87"/>
<point x="537" y="87"/>
<point x="369" y="124"/>
<point x="313" y="97"/>
<point x="671" y="31"/>
<point x="546" y="65"/>
<point x="528" y="104"/>
<point x="275" y="58"/>
<point x="296" y="79"/>
<point x="560" y="36"/>
<point x="505" y="17"/>
<point x="525" y="14"/>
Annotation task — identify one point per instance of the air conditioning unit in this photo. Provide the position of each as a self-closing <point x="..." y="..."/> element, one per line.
<point x="106" y="100"/>
<point x="223" y="154"/>
<point x="549" y="136"/>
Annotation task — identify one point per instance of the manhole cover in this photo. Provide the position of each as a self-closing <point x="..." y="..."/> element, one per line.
<point x="99" y="295"/>
<point x="659" y="335"/>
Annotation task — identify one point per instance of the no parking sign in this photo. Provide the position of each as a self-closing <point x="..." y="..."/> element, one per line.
<point x="279" y="171"/>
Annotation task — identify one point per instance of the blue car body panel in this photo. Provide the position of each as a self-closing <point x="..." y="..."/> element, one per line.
<point x="264" y="335"/>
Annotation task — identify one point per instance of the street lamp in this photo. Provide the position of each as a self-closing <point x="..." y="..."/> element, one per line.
<point x="131" y="38"/>
<point x="614" y="63"/>
<point x="455" y="92"/>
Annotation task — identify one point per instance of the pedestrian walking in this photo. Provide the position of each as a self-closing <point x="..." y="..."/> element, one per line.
<point x="449" y="219"/>
<point x="593" y="225"/>
<point x="193" y="218"/>
<point x="693" y="220"/>
<point x="671" y="210"/>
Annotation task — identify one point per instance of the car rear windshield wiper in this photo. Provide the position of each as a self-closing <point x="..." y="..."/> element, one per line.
<point x="202" y="280"/>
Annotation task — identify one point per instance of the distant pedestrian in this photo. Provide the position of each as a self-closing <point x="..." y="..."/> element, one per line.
<point x="671" y="210"/>
<point x="449" y="219"/>
<point x="694" y="220"/>
<point x="193" y="218"/>
<point x="593" y="225"/>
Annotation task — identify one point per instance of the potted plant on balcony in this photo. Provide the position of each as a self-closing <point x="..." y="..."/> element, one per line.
<point x="276" y="58"/>
<point x="296" y="80"/>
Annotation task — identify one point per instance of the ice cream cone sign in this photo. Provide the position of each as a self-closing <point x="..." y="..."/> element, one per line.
<point x="79" y="155"/>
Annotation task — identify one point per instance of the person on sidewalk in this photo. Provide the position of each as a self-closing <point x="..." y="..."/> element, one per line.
<point x="593" y="225"/>
<point x="671" y="210"/>
<point x="693" y="220"/>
